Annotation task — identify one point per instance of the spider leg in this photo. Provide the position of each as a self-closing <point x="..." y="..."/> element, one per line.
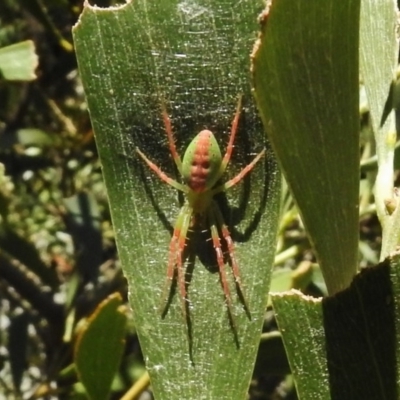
<point x="213" y="221"/>
<point x="232" y="182"/>
<point x="162" y="175"/>
<point x="232" y="136"/>
<point x="175" y="258"/>
<point x="171" y="268"/>
<point x="231" y="250"/>
<point x="171" y="141"/>
<point x="187" y="212"/>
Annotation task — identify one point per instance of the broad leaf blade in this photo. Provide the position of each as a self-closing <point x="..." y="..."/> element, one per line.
<point x="300" y="320"/>
<point x="99" y="348"/>
<point x="306" y="84"/>
<point x="193" y="58"/>
<point x="18" y="61"/>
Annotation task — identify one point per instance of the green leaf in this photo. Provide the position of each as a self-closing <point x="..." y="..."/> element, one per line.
<point x="305" y="71"/>
<point x="379" y="51"/>
<point x="378" y="56"/>
<point x="18" y="61"/>
<point x="300" y="321"/>
<point x="194" y="58"/>
<point x="345" y="346"/>
<point x="99" y="347"/>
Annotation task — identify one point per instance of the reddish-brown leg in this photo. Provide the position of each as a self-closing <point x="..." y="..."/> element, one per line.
<point x="231" y="251"/>
<point x="175" y="258"/>
<point x="220" y="260"/>
<point x="171" y="140"/>
<point x="232" y="136"/>
<point x="186" y="212"/>
<point x="162" y="175"/>
<point x="173" y="249"/>
<point x="239" y="176"/>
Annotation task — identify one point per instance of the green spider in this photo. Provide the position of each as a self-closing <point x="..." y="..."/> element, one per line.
<point x="201" y="169"/>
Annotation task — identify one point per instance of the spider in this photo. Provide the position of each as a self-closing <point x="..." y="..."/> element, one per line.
<point x="201" y="169"/>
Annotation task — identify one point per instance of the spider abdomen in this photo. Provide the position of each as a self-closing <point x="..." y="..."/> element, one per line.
<point x="201" y="162"/>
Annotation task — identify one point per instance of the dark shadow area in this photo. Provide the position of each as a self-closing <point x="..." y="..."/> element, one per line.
<point x="361" y="338"/>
